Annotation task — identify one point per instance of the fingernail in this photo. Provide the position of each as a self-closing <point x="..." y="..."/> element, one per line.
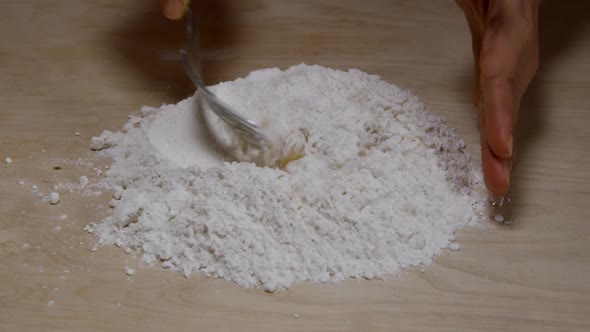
<point x="510" y="145"/>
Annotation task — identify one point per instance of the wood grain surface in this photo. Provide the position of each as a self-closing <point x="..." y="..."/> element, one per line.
<point x="81" y="66"/>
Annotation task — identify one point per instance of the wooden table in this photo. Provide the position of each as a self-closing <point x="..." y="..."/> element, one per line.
<point x="81" y="66"/>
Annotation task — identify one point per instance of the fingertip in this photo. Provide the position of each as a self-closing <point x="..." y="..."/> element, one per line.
<point x="496" y="172"/>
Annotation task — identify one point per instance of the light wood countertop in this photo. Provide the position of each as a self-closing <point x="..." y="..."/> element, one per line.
<point x="81" y="66"/>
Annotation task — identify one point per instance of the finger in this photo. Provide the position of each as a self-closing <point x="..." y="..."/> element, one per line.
<point x="475" y="16"/>
<point x="476" y="41"/>
<point x="509" y="60"/>
<point x="174" y="9"/>
<point x="500" y="105"/>
<point x="496" y="171"/>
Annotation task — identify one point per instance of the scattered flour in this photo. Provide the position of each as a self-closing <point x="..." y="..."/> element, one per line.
<point x="8" y="160"/>
<point x="382" y="185"/>
<point x="84" y="181"/>
<point x="454" y="246"/>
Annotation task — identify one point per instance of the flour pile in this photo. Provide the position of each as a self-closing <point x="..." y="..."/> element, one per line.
<point x="382" y="184"/>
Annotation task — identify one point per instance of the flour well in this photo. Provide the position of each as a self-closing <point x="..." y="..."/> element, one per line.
<point x="383" y="184"/>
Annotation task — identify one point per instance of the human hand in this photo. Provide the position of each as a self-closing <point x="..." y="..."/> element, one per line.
<point x="505" y="46"/>
<point x="174" y="9"/>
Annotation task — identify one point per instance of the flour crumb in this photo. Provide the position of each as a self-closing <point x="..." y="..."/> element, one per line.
<point x="8" y="160"/>
<point x="129" y="271"/>
<point x="54" y="198"/>
<point x="127" y="127"/>
<point x="77" y="133"/>
<point x="51" y="303"/>
<point x="97" y="143"/>
<point x="379" y="184"/>
<point x="105" y="140"/>
<point x="297" y="316"/>
<point x="118" y="192"/>
<point x="455" y="246"/>
<point x="84" y="181"/>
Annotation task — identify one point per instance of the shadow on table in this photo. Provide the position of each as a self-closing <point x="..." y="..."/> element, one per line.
<point x="560" y="25"/>
<point x="149" y="45"/>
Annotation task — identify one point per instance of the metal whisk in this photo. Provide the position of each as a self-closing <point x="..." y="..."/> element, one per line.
<point x="246" y="128"/>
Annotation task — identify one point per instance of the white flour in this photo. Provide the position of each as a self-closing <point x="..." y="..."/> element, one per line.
<point x="383" y="184"/>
